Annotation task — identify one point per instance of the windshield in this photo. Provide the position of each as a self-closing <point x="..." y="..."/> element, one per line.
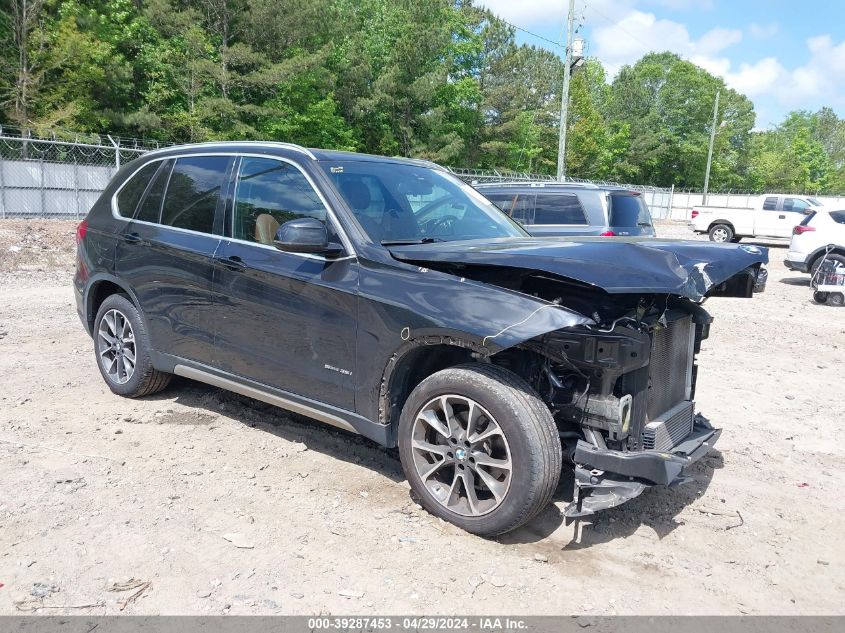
<point x="815" y="202"/>
<point x="399" y="203"/>
<point x="628" y="210"/>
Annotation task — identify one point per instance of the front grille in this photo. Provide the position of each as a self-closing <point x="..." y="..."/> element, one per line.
<point x="669" y="410"/>
<point x="670" y="369"/>
<point x="668" y="430"/>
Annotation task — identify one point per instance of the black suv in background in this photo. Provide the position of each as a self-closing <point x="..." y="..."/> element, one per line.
<point x="561" y="209"/>
<point x="386" y="297"/>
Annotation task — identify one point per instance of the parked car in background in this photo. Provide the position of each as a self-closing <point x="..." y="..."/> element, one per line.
<point x="561" y="209"/>
<point x="812" y="236"/>
<point x="386" y="297"/>
<point x="769" y="216"/>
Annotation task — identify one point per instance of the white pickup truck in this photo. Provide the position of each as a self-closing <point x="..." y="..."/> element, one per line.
<point x="771" y="216"/>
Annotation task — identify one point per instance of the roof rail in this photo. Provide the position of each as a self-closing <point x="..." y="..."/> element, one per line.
<point x="290" y="146"/>
<point x="538" y="183"/>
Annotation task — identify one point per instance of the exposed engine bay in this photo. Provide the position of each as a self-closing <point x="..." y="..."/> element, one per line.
<point x="620" y="384"/>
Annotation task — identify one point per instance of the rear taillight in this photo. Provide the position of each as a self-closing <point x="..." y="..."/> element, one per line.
<point x="81" y="230"/>
<point x="694" y="214"/>
<point x="800" y="229"/>
<point x="608" y="234"/>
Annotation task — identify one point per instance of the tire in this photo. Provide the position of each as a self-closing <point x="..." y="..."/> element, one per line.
<point x="721" y="233"/>
<point x="512" y="425"/>
<point x="820" y="297"/>
<point x="836" y="299"/>
<point x="113" y="354"/>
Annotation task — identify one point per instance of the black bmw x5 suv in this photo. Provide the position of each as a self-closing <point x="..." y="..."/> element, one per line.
<point x="388" y="298"/>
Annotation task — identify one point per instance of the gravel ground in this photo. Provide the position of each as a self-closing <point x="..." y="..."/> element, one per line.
<point x="198" y="501"/>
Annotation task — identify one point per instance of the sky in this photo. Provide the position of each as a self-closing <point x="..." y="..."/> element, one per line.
<point x="782" y="54"/>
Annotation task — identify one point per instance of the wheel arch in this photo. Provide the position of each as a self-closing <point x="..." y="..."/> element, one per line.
<point x="413" y="362"/>
<point x="102" y="286"/>
<point x="727" y="223"/>
<point x="820" y="251"/>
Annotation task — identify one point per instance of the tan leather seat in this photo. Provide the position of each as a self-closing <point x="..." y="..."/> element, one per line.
<point x="265" y="229"/>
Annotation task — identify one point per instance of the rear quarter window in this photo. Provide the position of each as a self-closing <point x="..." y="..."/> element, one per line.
<point x="130" y="194"/>
<point x="627" y="210"/>
<point x="809" y="217"/>
<point x="770" y="204"/>
<point x="563" y="208"/>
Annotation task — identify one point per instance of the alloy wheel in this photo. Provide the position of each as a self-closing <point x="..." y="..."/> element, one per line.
<point x="116" y="347"/>
<point x="720" y="235"/>
<point x="461" y="455"/>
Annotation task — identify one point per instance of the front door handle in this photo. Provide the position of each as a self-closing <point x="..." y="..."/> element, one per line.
<point x="233" y="263"/>
<point x="132" y="238"/>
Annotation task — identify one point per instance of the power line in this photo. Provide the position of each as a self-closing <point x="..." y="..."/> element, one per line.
<point x="531" y="33"/>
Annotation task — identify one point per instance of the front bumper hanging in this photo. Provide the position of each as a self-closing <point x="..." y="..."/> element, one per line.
<point x="606" y="478"/>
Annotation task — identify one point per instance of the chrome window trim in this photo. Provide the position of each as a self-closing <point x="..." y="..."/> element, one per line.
<point x="347" y="244"/>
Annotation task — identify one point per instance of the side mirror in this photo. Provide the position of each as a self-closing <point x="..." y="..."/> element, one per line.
<point x="306" y="235"/>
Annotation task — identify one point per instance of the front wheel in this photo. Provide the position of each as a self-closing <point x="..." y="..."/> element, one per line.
<point x="836" y="299"/>
<point x="721" y="233"/>
<point x="479" y="448"/>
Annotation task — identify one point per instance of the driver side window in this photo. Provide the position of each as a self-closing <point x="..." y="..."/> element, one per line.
<point x="795" y="204"/>
<point x="269" y="193"/>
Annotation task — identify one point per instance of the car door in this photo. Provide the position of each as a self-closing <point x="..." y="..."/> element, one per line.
<point x="166" y="253"/>
<point x="794" y="210"/>
<point x="774" y="220"/>
<point x="286" y="320"/>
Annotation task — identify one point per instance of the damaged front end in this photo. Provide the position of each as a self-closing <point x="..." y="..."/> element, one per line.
<point x="621" y="386"/>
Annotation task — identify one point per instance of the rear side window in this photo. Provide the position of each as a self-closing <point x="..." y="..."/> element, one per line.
<point x="838" y="216"/>
<point x="130" y="194"/>
<point x="193" y="192"/>
<point x="270" y="193"/>
<point x="627" y="210"/>
<point x="150" y="209"/>
<point x="562" y="208"/>
<point x="519" y="206"/>
<point x="770" y="204"/>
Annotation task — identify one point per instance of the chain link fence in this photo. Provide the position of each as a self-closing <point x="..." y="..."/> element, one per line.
<point x="61" y="174"/>
<point x="58" y="175"/>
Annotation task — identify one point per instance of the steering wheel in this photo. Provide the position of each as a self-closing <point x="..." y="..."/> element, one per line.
<point x="446" y="223"/>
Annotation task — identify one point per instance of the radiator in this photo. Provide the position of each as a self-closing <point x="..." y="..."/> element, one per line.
<point x="669" y="411"/>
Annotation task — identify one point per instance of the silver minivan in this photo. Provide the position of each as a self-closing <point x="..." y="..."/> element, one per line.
<point x="562" y="209"/>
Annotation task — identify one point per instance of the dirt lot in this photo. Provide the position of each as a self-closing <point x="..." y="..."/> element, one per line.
<point x="225" y="505"/>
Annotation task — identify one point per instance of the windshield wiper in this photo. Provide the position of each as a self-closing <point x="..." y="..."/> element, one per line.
<point x="422" y="240"/>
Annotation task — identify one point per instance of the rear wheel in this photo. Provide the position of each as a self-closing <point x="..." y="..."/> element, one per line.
<point x="820" y="297"/>
<point x="814" y="267"/>
<point x="122" y="348"/>
<point x="479" y="448"/>
<point x="721" y="233"/>
<point x="836" y="299"/>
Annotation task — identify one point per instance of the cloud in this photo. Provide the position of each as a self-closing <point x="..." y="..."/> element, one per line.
<point x="528" y="14"/>
<point x="763" y="31"/>
<point x="638" y="33"/>
<point x="685" y="4"/>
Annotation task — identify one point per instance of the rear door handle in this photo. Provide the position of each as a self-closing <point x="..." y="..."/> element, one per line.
<point x="782" y="217"/>
<point x="233" y="263"/>
<point x="132" y="238"/>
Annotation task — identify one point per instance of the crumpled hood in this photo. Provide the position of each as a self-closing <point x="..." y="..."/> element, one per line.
<point x="617" y="265"/>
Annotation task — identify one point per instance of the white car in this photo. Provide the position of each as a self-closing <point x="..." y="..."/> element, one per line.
<point x="810" y="240"/>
